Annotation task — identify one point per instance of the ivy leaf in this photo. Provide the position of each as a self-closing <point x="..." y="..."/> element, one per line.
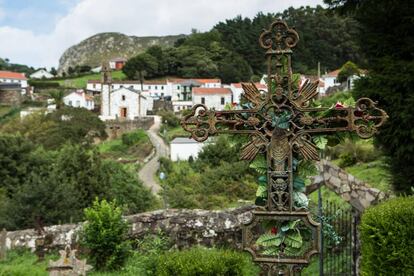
<point x="307" y="168"/>
<point x="298" y="184"/>
<point x="320" y="141"/>
<point x="262" y="179"/>
<point x="261" y="191"/>
<point x="350" y="102"/>
<point x="300" y="200"/>
<point x="269" y="240"/>
<point x="259" y="165"/>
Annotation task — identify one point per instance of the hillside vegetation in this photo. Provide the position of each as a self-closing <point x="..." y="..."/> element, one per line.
<point x="104" y="46"/>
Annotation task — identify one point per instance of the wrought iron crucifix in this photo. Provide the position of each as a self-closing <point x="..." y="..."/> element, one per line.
<point x="282" y="124"/>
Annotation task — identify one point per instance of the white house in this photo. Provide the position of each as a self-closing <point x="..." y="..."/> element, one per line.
<point x="79" y="99"/>
<point x="330" y="80"/>
<point x="178" y="90"/>
<point x="123" y="103"/>
<point x="15" y="78"/>
<point x="181" y="148"/>
<point x="41" y="74"/>
<point x="237" y="90"/>
<point x="215" y="98"/>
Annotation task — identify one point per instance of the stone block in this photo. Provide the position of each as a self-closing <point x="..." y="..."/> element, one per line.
<point x="346" y="196"/>
<point x="335" y="182"/>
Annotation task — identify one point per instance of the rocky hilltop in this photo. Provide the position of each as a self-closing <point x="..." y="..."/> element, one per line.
<point x="95" y="49"/>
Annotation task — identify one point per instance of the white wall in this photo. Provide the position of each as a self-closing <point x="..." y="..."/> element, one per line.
<point x="212" y="101"/>
<point x="41" y="74"/>
<point x="181" y="105"/>
<point x="78" y="100"/>
<point x="183" y="151"/>
<point x="112" y="110"/>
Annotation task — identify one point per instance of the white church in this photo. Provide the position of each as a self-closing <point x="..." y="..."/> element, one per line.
<point x="124" y="103"/>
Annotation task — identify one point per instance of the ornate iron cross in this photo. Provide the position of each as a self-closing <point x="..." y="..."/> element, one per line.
<point x="282" y="125"/>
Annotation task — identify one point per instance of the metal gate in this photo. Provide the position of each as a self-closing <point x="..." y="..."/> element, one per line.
<point x="339" y="239"/>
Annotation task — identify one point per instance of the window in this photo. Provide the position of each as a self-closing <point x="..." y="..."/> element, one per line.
<point x="122" y="86"/>
<point x="222" y="100"/>
<point x="156" y="87"/>
<point x="70" y="103"/>
<point x="77" y="103"/>
<point x="162" y="94"/>
<point x="178" y="87"/>
<point x="131" y="87"/>
<point x="94" y="85"/>
<point x="162" y="87"/>
<point x="123" y="97"/>
<point x="149" y="86"/>
<point x="112" y="86"/>
<point x="203" y="100"/>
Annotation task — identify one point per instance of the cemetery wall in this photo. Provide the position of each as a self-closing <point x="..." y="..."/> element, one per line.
<point x="184" y="227"/>
<point x="209" y="228"/>
<point x="115" y="128"/>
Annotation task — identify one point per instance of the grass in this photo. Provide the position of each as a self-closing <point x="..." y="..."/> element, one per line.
<point x="80" y="82"/>
<point x="8" y="112"/>
<point x="23" y="262"/>
<point x="116" y="149"/>
<point x="374" y="173"/>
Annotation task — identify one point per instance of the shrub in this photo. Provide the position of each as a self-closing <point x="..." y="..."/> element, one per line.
<point x="169" y="118"/>
<point x="104" y="234"/>
<point x="201" y="261"/>
<point x="387" y="236"/>
<point x="133" y="138"/>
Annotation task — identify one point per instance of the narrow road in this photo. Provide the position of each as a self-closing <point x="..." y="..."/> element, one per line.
<point x="147" y="172"/>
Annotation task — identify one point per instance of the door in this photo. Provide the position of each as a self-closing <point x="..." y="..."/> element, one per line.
<point x="123" y="112"/>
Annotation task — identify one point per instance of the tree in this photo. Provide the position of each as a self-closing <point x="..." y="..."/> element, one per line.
<point x="347" y="70"/>
<point x="319" y="40"/>
<point x="57" y="96"/>
<point x="140" y="66"/>
<point x="53" y="71"/>
<point x="388" y="43"/>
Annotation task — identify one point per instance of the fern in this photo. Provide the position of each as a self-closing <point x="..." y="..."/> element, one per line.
<point x="259" y="165"/>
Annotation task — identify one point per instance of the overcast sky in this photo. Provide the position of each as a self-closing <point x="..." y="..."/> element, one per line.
<point x="37" y="32"/>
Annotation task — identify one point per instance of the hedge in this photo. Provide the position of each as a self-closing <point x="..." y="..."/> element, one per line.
<point x="199" y="261"/>
<point x="387" y="237"/>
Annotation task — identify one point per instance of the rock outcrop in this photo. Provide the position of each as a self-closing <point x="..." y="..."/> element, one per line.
<point x="105" y="46"/>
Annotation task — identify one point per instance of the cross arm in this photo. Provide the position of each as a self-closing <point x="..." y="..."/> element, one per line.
<point x="364" y="119"/>
<point x="202" y="122"/>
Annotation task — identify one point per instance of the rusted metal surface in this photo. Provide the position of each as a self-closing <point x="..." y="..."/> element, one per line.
<point x="281" y="124"/>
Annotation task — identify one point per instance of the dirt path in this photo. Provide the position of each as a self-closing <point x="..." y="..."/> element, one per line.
<point x="147" y="172"/>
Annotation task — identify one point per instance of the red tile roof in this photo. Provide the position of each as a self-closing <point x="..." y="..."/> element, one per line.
<point x="12" y="75"/>
<point x="211" y="91"/>
<point x="258" y="85"/>
<point x="208" y="80"/>
<point x="334" y="73"/>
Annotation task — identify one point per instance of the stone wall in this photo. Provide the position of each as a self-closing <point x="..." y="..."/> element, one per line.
<point x="11" y="97"/>
<point x="115" y="128"/>
<point x="358" y="193"/>
<point x="184" y="227"/>
<point x="191" y="227"/>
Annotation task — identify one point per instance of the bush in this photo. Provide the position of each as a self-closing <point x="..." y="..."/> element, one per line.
<point x="201" y="261"/>
<point x="133" y="138"/>
<point x="44" y="84"/>
<point x="104" y="234"/>
<point x="351" y="152"/>
<point x="169" y="118"/>
<point x="387" y="236"/>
